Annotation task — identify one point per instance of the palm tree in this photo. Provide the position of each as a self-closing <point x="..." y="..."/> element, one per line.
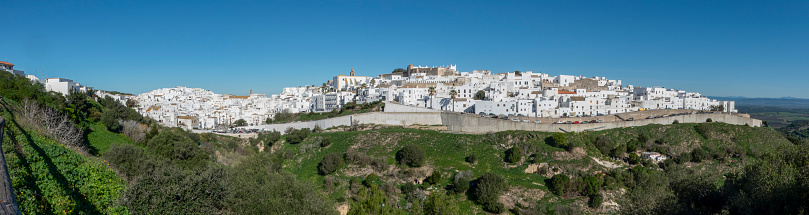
<point x="432" y="92"/>
<point x="452" y="95"/>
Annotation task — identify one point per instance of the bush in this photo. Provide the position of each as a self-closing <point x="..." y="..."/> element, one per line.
<point x="709" y="120"/>
<point x="435" y="178"/>
<point x="471" y="158"/>
<point x="127" y="158"/>
<point x="596" y="200"/>
<point x="675" y="122"/>
<point x="330" y="163"/>
<point x="559" y="184"/>
<point x="684" y="157"/>
<point x="634" y="158"/>
<point x="619" y="151"/>
<point x="604" y="144"/>
<point x="514" y="154"/>
<point x="698" y="155"/>
<point x="411" y="155"/>
<point x="440" y="204"/>
<point x="325" y="142"/>
<point x="178" y="149"/>
<point x="296" y="136"/>
<point x="487" y="191"/>
<point x="370" y="180"/>
<point x="560" y="140"/>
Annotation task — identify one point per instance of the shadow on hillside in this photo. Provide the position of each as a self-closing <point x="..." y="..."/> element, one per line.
<point x="78" y="198"/>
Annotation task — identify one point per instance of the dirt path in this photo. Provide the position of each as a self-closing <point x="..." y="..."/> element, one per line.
<point x="607" y="164"/>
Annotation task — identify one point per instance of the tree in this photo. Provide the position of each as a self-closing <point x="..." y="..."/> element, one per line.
<point x="487" y="191"/>
<point x="719" y="108"/>
<point x="634" y="158"/>
<point x="559" y="183"/>
<point x="411" y="155"/>
<point x="514" y="154"/>
<point x="296" y="136"/>
<point x="604" y="144"/>
<point x="709" y="120"/>
<point x="698" y="155"/>
<point x="439" y="203"/>
<point x="560" y="140"/>
<point x="471" y="158"/>
<point x="434" y="178"/>
<point x="676" y="122"/>
<point x="453" y="94"/>
<point x="240" y="122"/>
<point x="517" y="73"/>
<point x="480" y="95"/>
<point x="179" y="149"/>
<point x="460" y="183"/>
<point x="619" y="151"/>
<point x="330" y="163"/>
<point x="398" y="70"/>
<point x="596" y="200"/>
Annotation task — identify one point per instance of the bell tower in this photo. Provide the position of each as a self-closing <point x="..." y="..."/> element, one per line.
<point x="352" y="71"/>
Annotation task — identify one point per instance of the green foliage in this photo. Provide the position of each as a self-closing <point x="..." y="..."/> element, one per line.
<point x="240" y="122"/>
<point x="411" y="155"/>
<point x="676" y="122"/>
<point x="593" y="184"/>
<point x="480" y="95"/>
<point x="439" y="203"/>
<point x="370" y="180"/>
<point x="372" y="201"/>
<point x="128" y="159"/>
<point x="297" y="135"/>
<point x="514" y="154"/>
<point x="596" y="200"/>
<point x="269" y="139"/>
<point x="634" y="158"/>
<point x="176" y="148"/>
<point x="559" y="184"/>
<point x="325" y="142"/>
<point x="170" y="189"/>
<point x="434" y="178"/>
<point x="471" y="158"/>
<point x="49" y="178"/>
<point x="619" y="151"/>
<point x="330" y="163"/>
<point x="698" y="155"/>
<point x="709" y="120"/>
<point x="604" y="144"/>
<point x="684" y="157"/>
<point x="487" y="191"/>
<point x="256" y="186"/>
<point x="560" y="140"/>
<point x="110" y="122"/>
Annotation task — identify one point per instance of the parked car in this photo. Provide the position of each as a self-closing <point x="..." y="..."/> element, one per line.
<point x="600" y="121"/>
<point x="650" y="117"/>
<point x="593" y="121"/>
<point x="516" y="120"/>
<point x="584" y="122"/>
<point x="525" y="120"/>
<point x="538" y="121"/>
<point x="630" y="119"/>
<point x="576" y="122"/>
<point x="568" y="122"/>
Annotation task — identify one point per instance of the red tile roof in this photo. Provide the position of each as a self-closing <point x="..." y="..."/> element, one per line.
<point x="566" y="92"/>
<point x="6" y="63"/>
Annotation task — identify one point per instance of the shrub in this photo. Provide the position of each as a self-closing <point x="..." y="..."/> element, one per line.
<point x="684" y="157"/>
<point x="559" y="183"/>
<point x="675" y="122"/>
<point x="560" y="140"/>
<point x="514" y="154"/>
<point x="619" y="151"/>
<point x="330" y="163"/>
<point x="435" y="178"/>
<point x="178" y="148"/>
<point x="487" y="191"/>
<point x="471" y="158"/>
<point x="709" y="120"/>
<point x="370" y="180"/>
<point x="440" y="204"/>
<point x="604" y="144"/>
<point x="411" y="155"/>
<point x="634" y="158"/>
<point x="325" y="142"/>
<point x="698" y="155"/>
<point x="127" y="158"/>
<point x="596" y="200"/>
<point x="297" y="135"/>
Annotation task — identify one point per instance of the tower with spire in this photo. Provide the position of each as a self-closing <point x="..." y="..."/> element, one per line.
<point x="352" y="71"/>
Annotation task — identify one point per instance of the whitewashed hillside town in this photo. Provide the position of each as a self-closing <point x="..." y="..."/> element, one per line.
<point x="441" y="88"/>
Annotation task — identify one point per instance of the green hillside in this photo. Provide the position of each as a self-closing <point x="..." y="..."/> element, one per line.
<point x="727" y="149"/>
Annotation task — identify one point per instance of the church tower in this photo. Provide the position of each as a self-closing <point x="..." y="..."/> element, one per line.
<point x="352" y="71"/>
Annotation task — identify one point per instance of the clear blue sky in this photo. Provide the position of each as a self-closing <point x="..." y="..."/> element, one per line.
<point x="722" y="48"/>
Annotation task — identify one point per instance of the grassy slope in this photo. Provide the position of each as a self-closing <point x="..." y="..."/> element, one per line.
<point x="447" y="151"/>
<point x="100" y="139"/>
<point x="49" y="178"/>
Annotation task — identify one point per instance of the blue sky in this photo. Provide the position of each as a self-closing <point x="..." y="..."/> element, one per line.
<point x="722" y="48"/>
